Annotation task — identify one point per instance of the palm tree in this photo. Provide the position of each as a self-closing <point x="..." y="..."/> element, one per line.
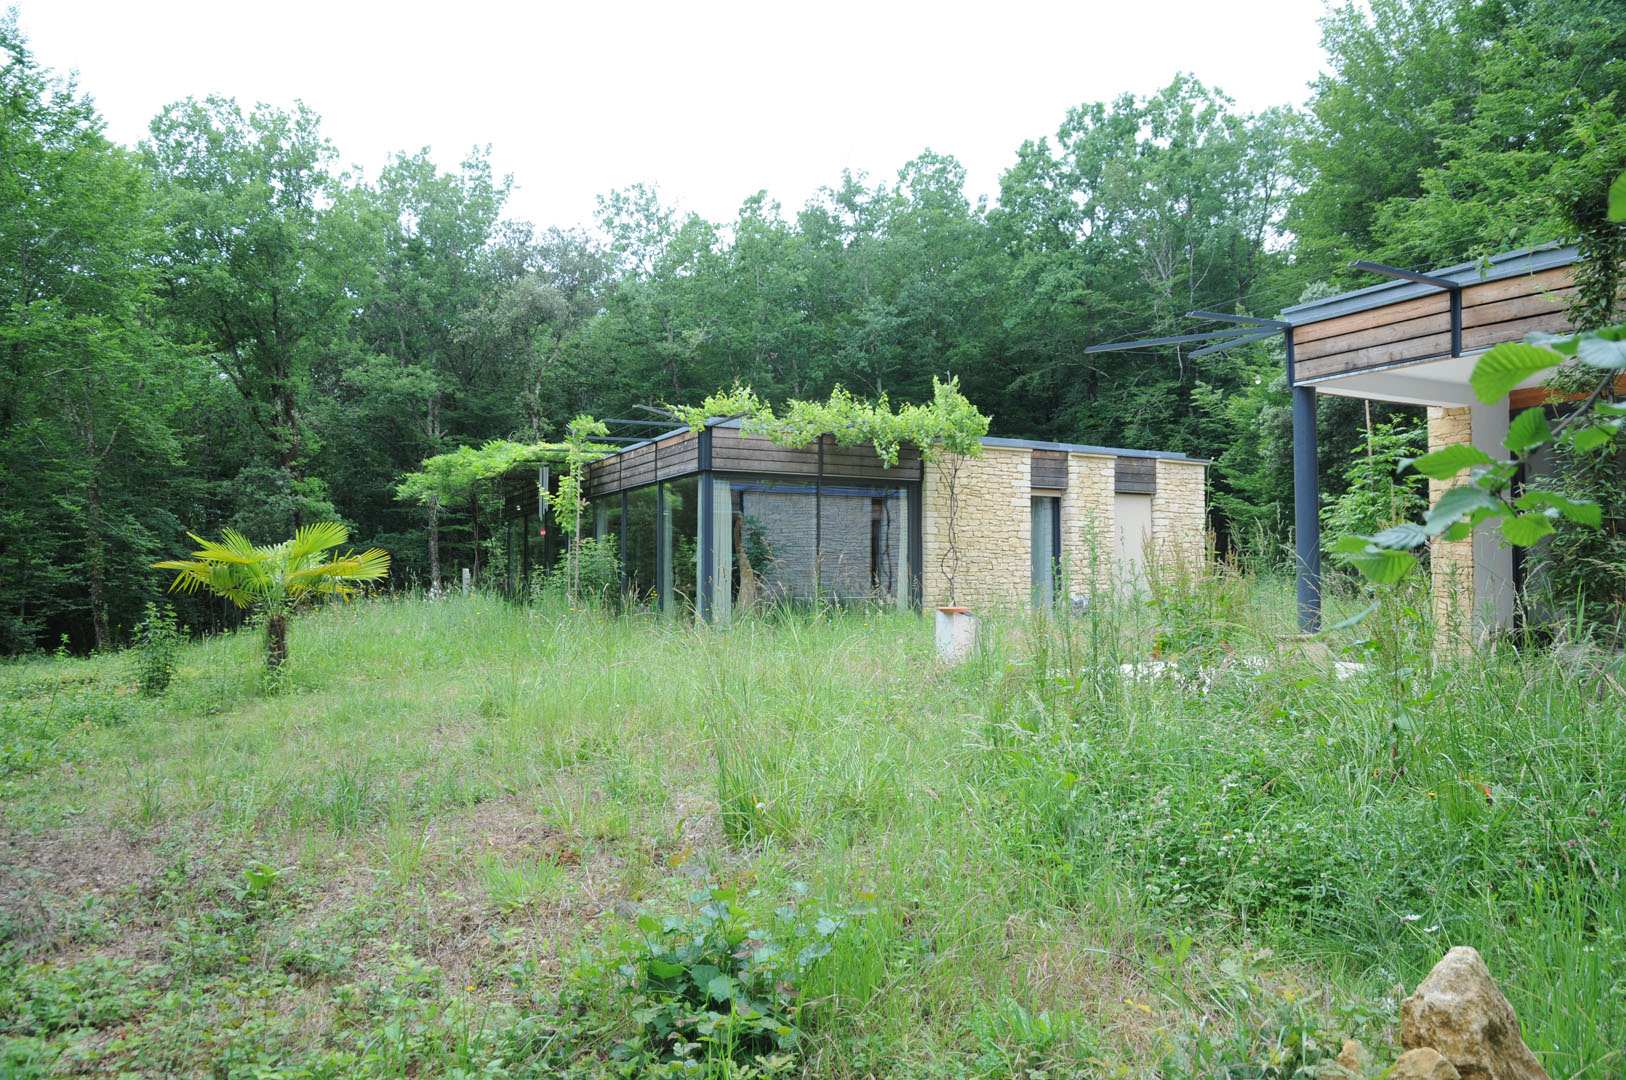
<point x="276" y="580"/>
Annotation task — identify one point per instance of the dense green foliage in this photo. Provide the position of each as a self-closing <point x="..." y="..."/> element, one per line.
<point x="218" y="329"/>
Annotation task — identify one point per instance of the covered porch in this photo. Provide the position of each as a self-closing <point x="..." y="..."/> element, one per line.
<point x="1414" y="340"/>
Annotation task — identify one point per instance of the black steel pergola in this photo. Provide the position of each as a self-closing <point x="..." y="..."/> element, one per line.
<point x="1306" y="480"/>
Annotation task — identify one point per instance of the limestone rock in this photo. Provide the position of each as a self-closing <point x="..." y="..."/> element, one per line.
<point x="1459" y="1011"/>
<point x="1425" y="1063"/>
<point x="1354" y="1057"/>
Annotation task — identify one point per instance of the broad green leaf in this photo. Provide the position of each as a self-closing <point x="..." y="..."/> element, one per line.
<point x="1383" y="566"/>
<point x="663" y="970"/>
<point x="1589" y="438"/>
<point x="720" y="988"/>
<point x="1529" y="429"/>
<point x="649" y="924"/>
<point x="1582" y="511"/>
<point x="1446" y="462"/>
<point x="1610" y="408"/>
<point x="1458" y="503"/>
<point x="1526" y="529"/>
<point x="1401" y="537"/>
<point x="1617" y="199"/>
<point x="1460" y="531"/>
<point x="1506" y="366"/>
<point x="1599" y="352"/>
<point x="1351" y="545"/>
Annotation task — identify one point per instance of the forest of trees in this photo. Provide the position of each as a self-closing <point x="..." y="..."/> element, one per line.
<point x="218" y="328"/>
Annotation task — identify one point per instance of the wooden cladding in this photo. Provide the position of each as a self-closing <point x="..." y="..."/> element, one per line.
<point x="1049" y="470"/>
<point x="732" y="451"/>
<point x="1419" y="329"/>
<point x="1135" y="476"/>
<point x="671" y="456"/>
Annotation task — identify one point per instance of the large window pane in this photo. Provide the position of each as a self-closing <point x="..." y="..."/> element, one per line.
<point x="640" y="525"/>
<point x="774" y="527"/>
<point x="863" y="543"/>
<point x="680" y="549"/>
<point x="790" y="543"/>
<point x="1044" y="516"/>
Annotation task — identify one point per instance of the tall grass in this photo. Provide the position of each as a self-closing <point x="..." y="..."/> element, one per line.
<point x="1058" y="855"/>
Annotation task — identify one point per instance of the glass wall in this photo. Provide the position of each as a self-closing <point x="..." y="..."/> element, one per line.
<point x="680" y="545"/>
<point x="793" y="542"/>
<point x="638" y="565"/>
<point x="770" y="541"/>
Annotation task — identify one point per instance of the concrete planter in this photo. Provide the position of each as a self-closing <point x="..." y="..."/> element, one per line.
<point x="956" y="634"/>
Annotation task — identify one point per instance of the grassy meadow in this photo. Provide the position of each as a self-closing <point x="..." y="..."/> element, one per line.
<point x="469" y="839"/>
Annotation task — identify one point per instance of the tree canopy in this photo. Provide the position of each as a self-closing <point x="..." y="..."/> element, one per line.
<point x="219" y="329"/>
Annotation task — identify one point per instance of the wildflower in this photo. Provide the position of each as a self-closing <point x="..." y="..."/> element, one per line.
<point x="1410" y="918"/>
<point x="1430" y="929"/>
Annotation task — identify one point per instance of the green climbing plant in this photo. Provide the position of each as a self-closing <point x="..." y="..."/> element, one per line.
<point x="567" y="502"/>
<point x="946" y="429"/>
<point x="461" y="475"/>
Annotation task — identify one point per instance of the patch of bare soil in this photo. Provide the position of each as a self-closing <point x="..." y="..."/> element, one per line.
<point x="46" y="878"/>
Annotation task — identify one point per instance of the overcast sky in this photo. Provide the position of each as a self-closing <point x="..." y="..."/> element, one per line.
<point x="710" y="102"/>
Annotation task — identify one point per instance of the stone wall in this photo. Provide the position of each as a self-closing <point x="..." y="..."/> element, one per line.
<point x="1451" y="561"/>
<point x="1087" y="521"/>
<point x="1180" y="513"/>
<point x="993" y="529"/>
<point x="994" y="524"/>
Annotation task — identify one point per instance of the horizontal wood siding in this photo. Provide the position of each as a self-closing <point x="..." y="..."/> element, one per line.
<point x="679" y="456"/>
<point x="1136" y="476"/>
<point x="733" y="452"/>
<point x="1419" y="329"/>
<point x="1049" y="469"/>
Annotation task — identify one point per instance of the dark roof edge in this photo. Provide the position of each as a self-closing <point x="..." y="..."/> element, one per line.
<point x="1015" y="444"/>
<point x="1507" y="264"/>
<point x="1084" y="448"/>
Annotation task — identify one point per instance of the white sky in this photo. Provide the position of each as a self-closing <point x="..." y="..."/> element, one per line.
<point x="709" y="101"/>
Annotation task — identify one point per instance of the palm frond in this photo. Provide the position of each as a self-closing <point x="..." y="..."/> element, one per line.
<point x="315" y="538"/>
<point x="235" y="549"/>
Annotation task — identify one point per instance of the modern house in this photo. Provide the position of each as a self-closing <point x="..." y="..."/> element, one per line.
<point x="1415" y="340"/>
<point x="719" y="521"/>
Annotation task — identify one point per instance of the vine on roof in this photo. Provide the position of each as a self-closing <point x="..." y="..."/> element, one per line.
<point x="948" y="424"/>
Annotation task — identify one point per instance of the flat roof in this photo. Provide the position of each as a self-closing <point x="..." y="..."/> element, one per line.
<point x="988" y="440"/>
<point x="1506" y="265"/>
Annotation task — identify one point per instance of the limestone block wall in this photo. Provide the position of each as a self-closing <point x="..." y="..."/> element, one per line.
<point x="1087" y="522"/>
<point x="1180" y="513"/>
<point x="993" y="528"/>
<point x="1451" y="562"/>
<point x="994" y="524"/>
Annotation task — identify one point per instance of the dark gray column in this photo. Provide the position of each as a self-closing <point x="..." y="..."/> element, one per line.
<point x="1306" y="501"/>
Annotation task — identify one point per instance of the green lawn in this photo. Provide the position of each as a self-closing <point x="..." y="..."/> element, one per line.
<point x="468" y="839"/>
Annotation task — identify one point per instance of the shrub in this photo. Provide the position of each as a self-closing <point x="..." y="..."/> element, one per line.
<point x="714" y="994"/>
<point x="158" y="646"/>
<point x="599" y="573"/>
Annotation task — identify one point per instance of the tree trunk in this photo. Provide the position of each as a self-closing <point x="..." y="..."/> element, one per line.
<point x="434" y="545"/>
<point x="98" y="568"/>
<point x="276" y="641"/>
